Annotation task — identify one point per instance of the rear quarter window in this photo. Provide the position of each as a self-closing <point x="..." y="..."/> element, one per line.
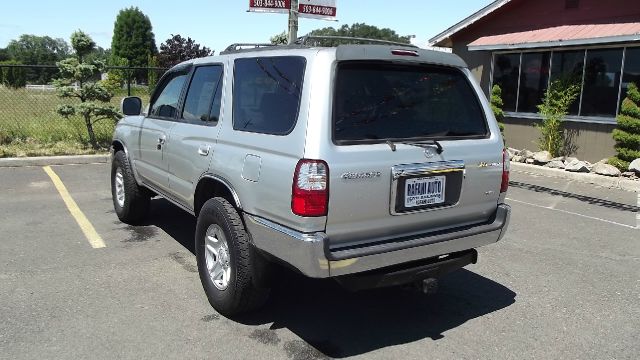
<point x="382" y="101"/>
<point x="266" y="93"/>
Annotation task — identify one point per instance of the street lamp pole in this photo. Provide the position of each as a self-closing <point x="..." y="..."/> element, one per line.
<point x="293" y="22"/>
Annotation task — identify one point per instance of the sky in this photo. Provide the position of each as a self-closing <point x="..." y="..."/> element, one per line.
<point x="219" y="23"/>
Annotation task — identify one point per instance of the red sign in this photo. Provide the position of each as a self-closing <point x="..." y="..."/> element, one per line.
<point x="319" y="9"/>
<point x="270" y="5"/>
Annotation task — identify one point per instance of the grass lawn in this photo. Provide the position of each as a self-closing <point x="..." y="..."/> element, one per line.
<point x="30" y="126"/>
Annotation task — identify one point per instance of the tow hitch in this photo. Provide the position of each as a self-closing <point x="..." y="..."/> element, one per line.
<point x="428" y="286"/>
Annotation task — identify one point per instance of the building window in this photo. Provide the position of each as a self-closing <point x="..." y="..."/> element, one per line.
<point x="571" y="4"/>
<point x="524" y="77"/>
<point x="505" y="74"/>
<point x="534" y="79"/>
<point x="568" y="66"/>
<point x="601" y="82"/>
<point x="631" y="70"/>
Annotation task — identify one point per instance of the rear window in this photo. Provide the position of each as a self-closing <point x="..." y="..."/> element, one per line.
<point x="266" y="94"/>
<point x="378" y="101"/>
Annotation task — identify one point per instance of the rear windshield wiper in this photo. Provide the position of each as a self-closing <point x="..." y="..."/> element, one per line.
<point x="423" y="144"/>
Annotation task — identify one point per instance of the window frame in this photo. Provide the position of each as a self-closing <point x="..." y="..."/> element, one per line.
<point x="176" y="71"/>
<point x="302" y="88"/>
<point x="611" y="120"/>
<point x="185" y="93"/>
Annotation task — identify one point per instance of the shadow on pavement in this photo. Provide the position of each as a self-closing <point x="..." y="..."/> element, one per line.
<point x="587" y="199"/>
<point x="339" y="323"/>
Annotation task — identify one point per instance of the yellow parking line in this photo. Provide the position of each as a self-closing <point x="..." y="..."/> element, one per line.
<point x="89" y="232"/>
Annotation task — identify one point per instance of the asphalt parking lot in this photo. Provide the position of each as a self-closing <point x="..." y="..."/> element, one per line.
<point x="564" y="283"/>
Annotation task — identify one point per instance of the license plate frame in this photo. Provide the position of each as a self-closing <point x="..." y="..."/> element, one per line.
<point x="453" y="170"/>
<point x="424" y="191"/>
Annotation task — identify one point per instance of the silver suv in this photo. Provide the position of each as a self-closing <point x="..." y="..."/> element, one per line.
<point x="376" y="165"/>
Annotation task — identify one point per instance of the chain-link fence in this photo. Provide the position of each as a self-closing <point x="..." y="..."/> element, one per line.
<point x="30" y="124"/>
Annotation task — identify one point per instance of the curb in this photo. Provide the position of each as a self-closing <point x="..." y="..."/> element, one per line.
<point x="54" y="160"/>
<point x="600" y="180"/>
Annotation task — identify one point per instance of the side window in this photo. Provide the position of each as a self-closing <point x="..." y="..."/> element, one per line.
<point x="266" y="94"/>
<point x="204" y="88"/>
<point x="166" y="103"/>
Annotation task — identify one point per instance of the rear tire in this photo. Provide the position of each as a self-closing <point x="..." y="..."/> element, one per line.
<point x="130" y="200"/>
<point x="230" y="269"/>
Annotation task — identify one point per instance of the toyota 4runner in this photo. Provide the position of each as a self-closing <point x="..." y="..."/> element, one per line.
<point x="376" y="165"/>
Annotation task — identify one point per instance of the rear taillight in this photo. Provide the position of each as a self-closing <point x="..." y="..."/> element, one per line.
<point x="505" y="171"/>
<point x="310" y="193"/>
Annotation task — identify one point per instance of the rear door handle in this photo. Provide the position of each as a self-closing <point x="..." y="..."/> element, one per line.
<point x="203" y="150"/>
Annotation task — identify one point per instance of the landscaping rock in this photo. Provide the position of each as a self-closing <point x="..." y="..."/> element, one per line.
<point x="555" y="164"/>
<point x="577" y="166"/>
<point x="513" y="152"/>
<point x="605" y="169"/>
<point x="629" y="174"/>
<point x="635" y="166"/>
<point x="526" y="154"/>
<point x="518" y="158"/>
<point x="561" y="158"/>
<point x="569" y="159"/>
<point x="530" y="161"/>
<point x="542" y="157"/>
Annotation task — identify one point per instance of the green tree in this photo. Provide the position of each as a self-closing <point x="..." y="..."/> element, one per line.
<point x="75" y="82"/>
<point x="12" y="77"/>
<point x="360" y="30"/>
<point x="627" y="135"/>
<point x="177" y="49"/>
<point x="4" y="55"/>
<point x="496" y="105"/>
<point x="555" y="106"/>
<point x="38" y="50"/>
<point x="279" y="39"/>
<point x="133" y="39"/>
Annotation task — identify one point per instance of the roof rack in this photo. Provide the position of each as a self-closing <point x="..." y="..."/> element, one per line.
<point x="317" y="40"/>
<point x="244" y="46"/>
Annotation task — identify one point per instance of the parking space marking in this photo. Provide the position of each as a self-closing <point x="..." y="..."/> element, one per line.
<point x="576" y="214"/>
<point x="89" y="231"/>
<point x="638" y="213"/>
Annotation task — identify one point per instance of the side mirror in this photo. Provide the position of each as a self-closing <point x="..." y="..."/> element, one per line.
<point x="131" y="105"/>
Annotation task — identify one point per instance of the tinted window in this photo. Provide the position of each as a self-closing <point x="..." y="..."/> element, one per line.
<point x="505" y="74"/>
<point x="568" y="66"/>
<point x="266" y="94"/>
<point x="631" y="70"/>
<point x="166" y="102"/>
<point x="385" y="101"/>
<point x="204" y="86"/>
<point x="534" y="79"/>
<point x="601" y="82"/>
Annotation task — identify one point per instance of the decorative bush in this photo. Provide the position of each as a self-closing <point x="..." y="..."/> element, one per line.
<point x="627" y="135"/>
<point x="496" y="105"/>
<point x="555" y="106"/>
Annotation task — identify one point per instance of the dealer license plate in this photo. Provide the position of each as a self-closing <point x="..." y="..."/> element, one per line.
<point x="424" y="191"/>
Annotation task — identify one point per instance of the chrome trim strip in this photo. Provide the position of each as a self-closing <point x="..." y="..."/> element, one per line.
<point x="426" y="168"/>
<point x="236" y="198"/>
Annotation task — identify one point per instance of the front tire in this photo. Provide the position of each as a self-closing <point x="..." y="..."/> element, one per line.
<point x="130" y="200"/>
<point x="228" y="265"/>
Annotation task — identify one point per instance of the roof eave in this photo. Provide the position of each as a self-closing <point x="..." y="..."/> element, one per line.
<point x="559" y="43"/>
<point x="436" y="40"/>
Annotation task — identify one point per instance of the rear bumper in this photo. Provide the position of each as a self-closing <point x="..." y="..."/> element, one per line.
<point x="311" y="254"/>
